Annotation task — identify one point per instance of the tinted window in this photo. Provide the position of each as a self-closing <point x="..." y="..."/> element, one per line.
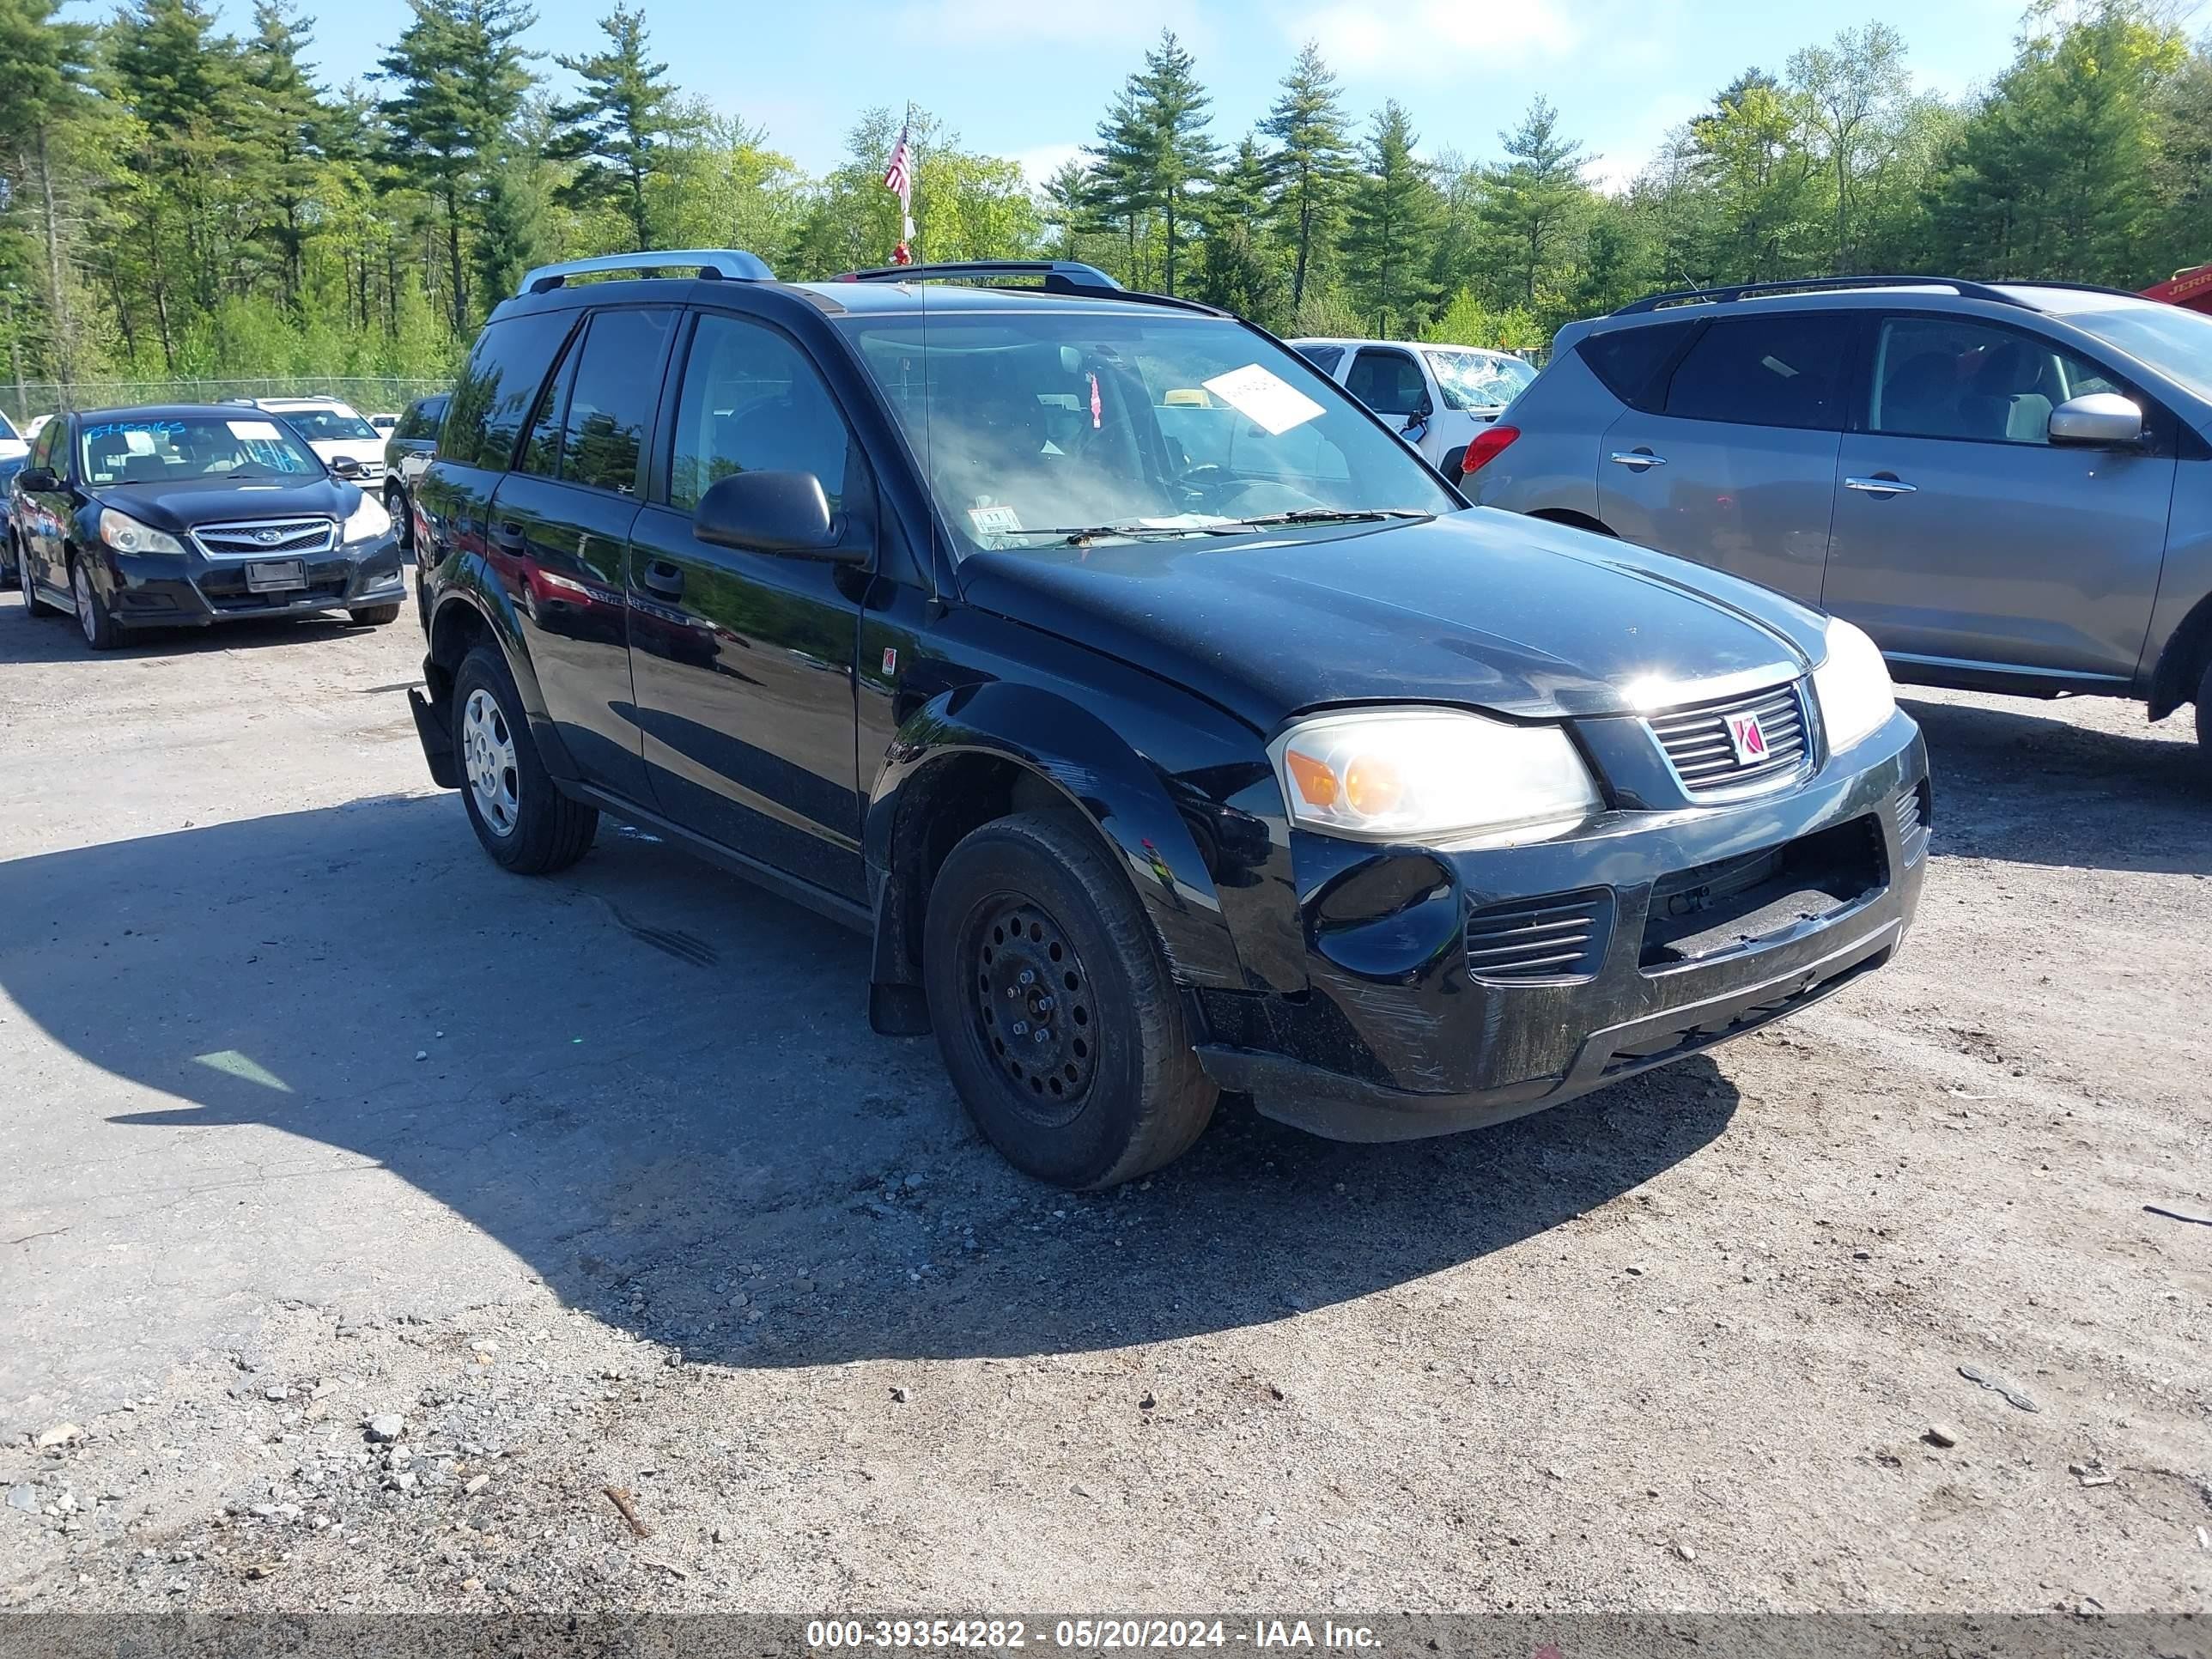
<point x="541" y="450"/>
<point x="617" y="382"/>
<point x="752" y="403"/>
<point x="1784" y="370"/>
<point x="422" y="418"/>
<point x="1942" y="377"/>
<point x="42" y="447"/>
<point x="499" y="387"/>
<point x="1388" y="382"/>
<point x="1324" y="358"/>
<point x="1628" y="361"/>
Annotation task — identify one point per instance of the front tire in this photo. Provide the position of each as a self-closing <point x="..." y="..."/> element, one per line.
<point x="519" y="815"/>
<point x="374" y="615"/>
<point x="101" y="631"/>
<point x="2204" y="715"/>
<point x="1057" y="1020"/>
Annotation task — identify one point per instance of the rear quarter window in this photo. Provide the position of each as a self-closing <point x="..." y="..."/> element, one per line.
<point x="1628" y="361"/>
<point x="499" y="387"/>
<point x="1786" y="369"/>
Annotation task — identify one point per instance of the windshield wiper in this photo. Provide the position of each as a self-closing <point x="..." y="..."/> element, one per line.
<point x="1075" y="536"/>
<point x="1334" y="515"/>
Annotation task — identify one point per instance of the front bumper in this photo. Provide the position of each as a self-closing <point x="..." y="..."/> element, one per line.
<point x="1685" y="928"/>
<point x="162" y="590"/>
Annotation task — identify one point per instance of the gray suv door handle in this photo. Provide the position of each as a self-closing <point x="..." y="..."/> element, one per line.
<point x="1881" y="486"/>
<point x="1638" y="459"/>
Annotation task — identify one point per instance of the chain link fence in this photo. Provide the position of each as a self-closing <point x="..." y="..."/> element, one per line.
<point x="22" y="400"/>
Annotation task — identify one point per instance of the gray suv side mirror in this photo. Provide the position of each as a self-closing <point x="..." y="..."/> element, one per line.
<point x="2101" y="420"/>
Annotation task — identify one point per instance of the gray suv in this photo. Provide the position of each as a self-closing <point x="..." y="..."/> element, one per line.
<point x="2009" y="487"/>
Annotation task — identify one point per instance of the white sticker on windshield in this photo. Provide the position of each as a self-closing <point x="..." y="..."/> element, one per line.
<point x="994" y="520"/>
<point x="137" y="441"/>
<point x="249" y="430"/>
<point x="1264" y="398"/>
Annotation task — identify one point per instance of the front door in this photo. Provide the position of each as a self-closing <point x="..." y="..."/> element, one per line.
<point x="1736" y="468"/>
<point x="743" y="661"/>
<point x="1389" y="382"/>
<point x="559" y="535"/>
<point x="1966" y="539"/>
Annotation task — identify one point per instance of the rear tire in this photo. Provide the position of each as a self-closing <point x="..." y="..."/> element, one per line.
<point x="1057" y="1020"/>
<point x="2204" y="715"/>
<point x="33" y="604"/>
<point x="519" y="813"/>
<point x="374" y="615"/>
<point x="402" y="526"/>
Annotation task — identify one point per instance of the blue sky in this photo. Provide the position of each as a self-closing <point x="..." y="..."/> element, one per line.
<point x="1031" y="78"/>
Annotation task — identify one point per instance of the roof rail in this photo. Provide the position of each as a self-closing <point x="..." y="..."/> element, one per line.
<point x="1055" y="275"/>
<point x="727" y="264"/>
<point x="1690" y="297"/>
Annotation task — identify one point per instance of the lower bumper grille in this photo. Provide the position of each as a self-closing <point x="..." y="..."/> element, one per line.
<point x="1718" y="908"/>
<point x="1562" y="936"/>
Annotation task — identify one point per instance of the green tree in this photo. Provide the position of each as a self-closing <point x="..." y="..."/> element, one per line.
<point x="284" y="112"/>
<point x="1154" y="154"/>
<point x="1312" y="162"/>
<point x="1533" y="199"/>
<point x="1753" y="155"/>
<point x="1857" y="89"/>
<point x="1391" y="227"/>
<point x="623" y="127"/>
<point x="1239" y="272"/>
<point x="43" y="78"/>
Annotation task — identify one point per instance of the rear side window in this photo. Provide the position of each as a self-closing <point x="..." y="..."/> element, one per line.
<point x="1628" y="361"/>
<point x="610" y="405"/>
<point x="1788" y="370"/>
<point x="499" y="387"/>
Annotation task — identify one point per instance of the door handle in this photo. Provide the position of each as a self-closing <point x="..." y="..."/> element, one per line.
<point x="1881" y="483"/>
<point x="663" y="579"/>
<point x="507" y="537"/>
<point x="1640" y="460"/>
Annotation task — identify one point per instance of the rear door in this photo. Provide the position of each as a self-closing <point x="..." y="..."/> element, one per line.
<point x="1964" y="541"/>
<point x="1732" y="462"/>
<point x="743" y="661"/>
<point x="560" y="535"/>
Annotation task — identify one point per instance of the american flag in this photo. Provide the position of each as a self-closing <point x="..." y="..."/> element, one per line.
<point x="898" y="178"/>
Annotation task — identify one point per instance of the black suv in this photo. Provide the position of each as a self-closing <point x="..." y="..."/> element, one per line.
<point x="1171" y="727"/>
<point x="407" y="452"/>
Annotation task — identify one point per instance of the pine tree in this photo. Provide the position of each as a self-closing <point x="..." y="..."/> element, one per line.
<point x="1311" y="163"/>
<point x="1391" y="228"/>
<point x="623" y="127"/>
<point x="1153" y="149"/>
<point x="1239" y="272"/>
<point x="43" y="72"/>
<point x="283" y="112"/>
<point x="1533" y="199"/>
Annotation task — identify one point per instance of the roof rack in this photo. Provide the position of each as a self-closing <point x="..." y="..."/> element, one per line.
<point x="1690" y="297"/>
<point x="727" y="264"/>
<point x="1063" y="277"/>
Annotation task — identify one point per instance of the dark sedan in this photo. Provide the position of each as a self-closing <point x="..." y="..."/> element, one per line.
<point x="185" y="516"/>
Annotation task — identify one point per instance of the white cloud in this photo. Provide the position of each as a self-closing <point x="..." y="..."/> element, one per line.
<point x="1428" y="40"/>
<point x="1040" y="161"/>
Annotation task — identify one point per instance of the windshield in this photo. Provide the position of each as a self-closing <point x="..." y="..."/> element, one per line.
<point x="322" y="424"/>
<point x="174" y="448"/>
<point x="1478" y="379"/>
<point x="6" y="430"/>
<point x="1071" y="425"/>
<point x="2167" y="337"/>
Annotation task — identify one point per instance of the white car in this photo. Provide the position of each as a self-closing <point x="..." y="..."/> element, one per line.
<point x="1439" y="396"/>
<point x="384" y="423"/>
<point x="12" y="448"/>
<point x="334" y="432"/>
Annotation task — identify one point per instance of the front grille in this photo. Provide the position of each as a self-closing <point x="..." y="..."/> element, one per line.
<point x="272" y="539"/>
<point x="1704" y="754"/>
<point x="1561" y="936"/>
<point x="1911" y="811"/>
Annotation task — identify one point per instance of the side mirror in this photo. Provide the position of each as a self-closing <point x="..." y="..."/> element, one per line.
<point x="346" y="467"/>
<point x="37" y="478"/>
<point x="780" y="513"/>
<point x="2100" y="420"/>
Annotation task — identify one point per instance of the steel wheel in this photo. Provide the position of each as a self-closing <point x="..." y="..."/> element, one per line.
<point x="86" y="617"/>
<point x="1032" y="1007"/>
<point x="489" y="755"/>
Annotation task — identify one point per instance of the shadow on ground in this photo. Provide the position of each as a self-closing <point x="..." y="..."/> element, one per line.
<point x="55" y="637"/>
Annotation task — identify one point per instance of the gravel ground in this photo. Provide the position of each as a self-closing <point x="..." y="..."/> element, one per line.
<point x="370" y="1214"/>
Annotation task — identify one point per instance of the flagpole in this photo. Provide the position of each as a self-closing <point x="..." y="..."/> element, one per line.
<point x="913" y="237"/>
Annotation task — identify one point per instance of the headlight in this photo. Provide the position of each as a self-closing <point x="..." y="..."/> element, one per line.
<point x="126" y="535"/>
<point x="1431" y="774"/>
<point x="368" y="519"/>
<point x="1853" y="686"/>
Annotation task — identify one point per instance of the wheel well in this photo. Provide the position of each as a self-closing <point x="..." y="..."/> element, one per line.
<point x="2181" y="665"/>
<point x="457" y="629"/>
<point x="1573" y="520"/>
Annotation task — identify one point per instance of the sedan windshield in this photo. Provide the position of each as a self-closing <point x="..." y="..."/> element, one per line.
<point x="162" y="449"/>
<point x="1478" y="379"/>
<point x="6" y="430"/>
<point x="321" y="425"/>
<point x="1041" y="428"/>
<point x="2167" y="337"/>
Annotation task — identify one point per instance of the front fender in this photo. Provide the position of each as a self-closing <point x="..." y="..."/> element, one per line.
<point x="1075" y="758"/>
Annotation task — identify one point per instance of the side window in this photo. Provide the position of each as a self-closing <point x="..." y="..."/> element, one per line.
<point x="1388" y="382"/>
<point x="48" y="440"/>
<point x="1322" y="357"/>
<point x="498" y="387"/>
<point x="1788" y="369"/>
<point x="1947" y="377"/>
<point x="541" y="450"/>
<point x="752" y="403"/>
<point x="618" y="383"/>
<point x="1627" y="361"/>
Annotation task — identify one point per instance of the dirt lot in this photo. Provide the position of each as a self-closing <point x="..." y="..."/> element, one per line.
<point x="309" y="1116"/>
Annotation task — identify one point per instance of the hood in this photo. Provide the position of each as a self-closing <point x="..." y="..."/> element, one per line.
<point x="13" y="449"/>
<point x="1485" y="609"/>
<point x="179" y="504"/>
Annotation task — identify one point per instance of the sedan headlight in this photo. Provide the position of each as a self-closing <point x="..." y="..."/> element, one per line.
<point x="370" y="520"/>
<point x="1853" y="686"/>
<point x="126" y="535"/>
<point x="1431" y="774"/>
